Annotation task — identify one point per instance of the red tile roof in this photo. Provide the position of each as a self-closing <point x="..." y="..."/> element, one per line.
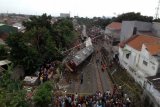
<point x="122" y="44"/>
<point x="114" y="25"/>
<point x="137" y="42"/>
<point x="153" y="48"/>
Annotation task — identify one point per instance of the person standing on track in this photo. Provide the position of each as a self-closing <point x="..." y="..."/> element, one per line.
<point x="81" y="77"/>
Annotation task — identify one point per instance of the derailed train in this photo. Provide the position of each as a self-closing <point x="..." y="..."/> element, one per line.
<point x="79" y="57"/>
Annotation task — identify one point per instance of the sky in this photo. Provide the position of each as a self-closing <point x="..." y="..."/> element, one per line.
<point x="82" y="8"/>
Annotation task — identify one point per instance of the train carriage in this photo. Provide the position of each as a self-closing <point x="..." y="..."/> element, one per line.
<point x="79" y="57"/>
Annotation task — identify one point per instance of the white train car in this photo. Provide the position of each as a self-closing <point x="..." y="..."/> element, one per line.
<point x="79" y="57"/>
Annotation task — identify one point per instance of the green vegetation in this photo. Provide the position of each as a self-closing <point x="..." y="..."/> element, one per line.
<point x="43" y="94"/>
<point x="103" y="22"/>
<point x="121" y="78"/>
<point x="96" y="21"/>
<point x="11" y="93"/>
<point x="42" y="41"/>
<point x="8" y="29"/>
<point x="131" y="16"/>
<point x="3" y="52"/>
<point x="64" y="33"/>
<point x="128" y="84"/>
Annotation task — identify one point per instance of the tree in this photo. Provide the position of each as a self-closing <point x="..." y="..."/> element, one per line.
<point x="63" y="33"/>
<point x="40" y="21"/>
<point x="18" y="99"/>
<point x="11" y="93"/>
<point x="22" y="53"/>
<point x="43" y="94"/>
<point x="132" y="16"/>
<point x="3" y="52"/>
<point x="101" y="22"/>
<point x="41" y="42"/>
<point x="156" y="20"/>
<point x="2" y="98"/>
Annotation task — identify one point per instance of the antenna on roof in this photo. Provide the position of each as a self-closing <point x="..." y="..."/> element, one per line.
<point x="157" y="10"/>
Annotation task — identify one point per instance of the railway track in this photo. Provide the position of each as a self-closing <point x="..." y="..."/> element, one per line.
<point x="105" y="60"/>
<point x="100" y="86"/>
<point x="101" y="79"/>
<point x="77" y="84"/>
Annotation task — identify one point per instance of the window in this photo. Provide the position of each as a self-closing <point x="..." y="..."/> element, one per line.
<point x="127" y="55"/>
<point x="134" y="31"/>
<point x="152" y="62"/>
<point x="145" y="63"/>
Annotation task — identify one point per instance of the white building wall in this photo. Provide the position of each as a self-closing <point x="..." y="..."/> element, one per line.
<point x="143" y="26"/>
<point x="107" y="31"/>
<point x="156" y="28"/>
<point x="128" y="27"/>
<point x="126" y="30"/>
<point x="120" y="53"/>
<point x="152" y="64"/>
<point x="131" y="64"/>
<point x="134" y="56"/>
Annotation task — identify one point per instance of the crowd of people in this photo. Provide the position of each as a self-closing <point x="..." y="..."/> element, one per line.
<point x="107" y="99"/>
<point x="46" y="71"/>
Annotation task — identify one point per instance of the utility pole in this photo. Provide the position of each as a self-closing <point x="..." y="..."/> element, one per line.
<point x="157" y="10"/>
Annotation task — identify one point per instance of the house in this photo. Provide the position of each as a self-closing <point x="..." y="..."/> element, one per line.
<point x="19" y="26"/>
<point x="140" y="55"/>
<point x="113" y="31"/>
<point x="65" y="15"/>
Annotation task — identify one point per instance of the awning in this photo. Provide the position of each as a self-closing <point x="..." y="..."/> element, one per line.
<point x="126" y="51"/>
<point x="4" y="62"/>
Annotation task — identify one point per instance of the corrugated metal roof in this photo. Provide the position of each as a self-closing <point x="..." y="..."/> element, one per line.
<point x="4" y="62"/>
<point x="1" y="24"/>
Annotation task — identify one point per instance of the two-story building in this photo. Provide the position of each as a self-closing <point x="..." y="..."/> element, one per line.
<point x="140" y="55"/>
